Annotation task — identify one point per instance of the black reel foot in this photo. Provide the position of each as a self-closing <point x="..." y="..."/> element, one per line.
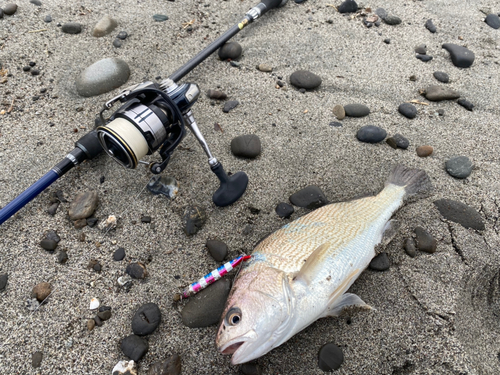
<point x="231" y="187"/>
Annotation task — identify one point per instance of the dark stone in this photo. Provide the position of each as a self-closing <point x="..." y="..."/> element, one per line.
<point x="38" y="3"/>
<point x="146" y="219"/>
<point x="304" y="79"/>
<point x="284" y="210"/>
<point x="193" y="219"/>
<point x="387" y="41"/>
<point x="392" y="20"/>
<point x="119" y="254"/>
<point x="26" y="68"/>
<point x="430" y="26"/>
<point x="91" y="221"/>
<point x="398" y="141"/>
<point x="104" y="308"/>
<point x="335" y="124"/>
<point x="330" y="357"/>
<point x="52" y="235"/>
<point x="170" y="366"/>
<point x="146" y="319"/>
<point x="230" y="50"/>
<point x="381" y="12"/>
<point x="72" y="28"/>
<point x="356" y="110"/>
<point x="62" y="257"/>
<point x="380" y="262"/>
<point x="231" y="104"/>
<point x="460" y="213"/>
<point x="421" y="49"/>
<point x="49" y="245"/>
<point x="205" y="308"/>
<point x="32" y="63"/>
<point x="35" y="72"/>
<point x="408" y="110"/>
<point x="251" y="368"/>
<point x="438" y="93"/>
<point x="425" y="241"/>
<point x="36" y="359"/>
<point x="459" y="167"/>
<point x="105" y="315"/>
<point x="3" y="281"/>
<point x="217" y="249"/>
<point x="442" y="77"/>
<point x="247" y="146"/>
<point x="134" y="347"/>
<point x="466" y="104"/>
<point x="371" y="134"/>
<point x="460" y="56"/>
<point x="310" y="197"/>
<point x="216" y="94"/>
<point x="122" y="35"/>
<point x="247" y="230"/>
<point x="53" y="209"/>
<point x="1" y="13"/>
<point x="348" y="6"/>
<point x="424" y="58"/>
<point x="160" y="17"/>
<point x="117" y="43"/>
<point x="10" y="9"/>
<point x="492" y="20"/>
<point x="137" y="270"/>
<point x="48" y="18"/>
<point x="97" y="321"/>
<point x="83" y="206"/>
<point x="410" y="247"/>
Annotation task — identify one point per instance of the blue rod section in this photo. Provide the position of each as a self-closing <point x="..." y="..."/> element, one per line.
<point x="26" y="196"/>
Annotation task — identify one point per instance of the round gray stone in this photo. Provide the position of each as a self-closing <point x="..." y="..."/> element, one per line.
<point x="437" y="93"/>
<point x="493" y="20"/>
<point x="408" y="110"/>
<point x="134" y="347"/>
<point x="460" y="56"/>
<point x="247" y="146"/>
<point x="442" y="77"/>
<point x="304" y="79"/>
<point x="460" y="213"/>
<point x="459" y="167"/>
<point x="3" y="281"/>
<point x="71" y="28"/>
<point x="217" y="249"/>
<point x="230" y="50"/>
<point x="380" y="262"/>
<point x="430" y="26"/>
<point x="371" y="134"/>
<point x="9" y="9"/>
<point x="146" y="319"/>
<point x="398" y="141"/>
<point x="392" y="20"/>
<point x="103" y="76"/>
<point x="169" y="366"/>
<point x="421" y="49"/>
<point x="330" y="357"/>
<point x="410" y="247"/>
<point x="104" y="26"/>
<point x="36" y="359"/>
<point x="83" y="206"/>
<point x="356" y="110"/>
<point x="425" y="241"/>
<point x="348" y="6"/>
<point x="311" y="197"/>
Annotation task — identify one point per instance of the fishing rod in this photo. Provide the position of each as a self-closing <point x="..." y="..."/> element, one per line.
<point x="152" y="117"/>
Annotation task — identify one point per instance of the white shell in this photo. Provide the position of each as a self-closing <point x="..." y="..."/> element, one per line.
<point x="123" y="366"/>
<point x="109" y="223"/>
<point x="94" y="304"/>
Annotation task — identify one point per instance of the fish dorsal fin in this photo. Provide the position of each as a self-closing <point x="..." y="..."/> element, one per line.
<point x="312" y="264"/>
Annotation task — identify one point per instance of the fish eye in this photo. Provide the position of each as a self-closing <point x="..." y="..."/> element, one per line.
<point x="233" y="316"/>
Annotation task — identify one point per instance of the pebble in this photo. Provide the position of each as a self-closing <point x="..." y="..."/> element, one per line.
<point x="105" y="315"/>
<point x="216" y="94"/>
<point x="146" y="319"/>
<point x="205" y="308"/>
<point x="492" y="20"/>
<point x="381" y="12"/>
<point x="348" y="6"/>
<point x="424" y="151"/>
<point x="83" y="206"/>
<point x="460" y="56"/>
<point x="228" y="106"/>
<point x="335" y="124"/>
<point x="41" y="291"/>
<point x="122" y="35"/>
<point x="371" y="134"/>
<point x="408" y="110"/>
<point x="442" y="77"/>
<point x="387" y="41"/>
<point x="53" y="209"/>
<point x="102" y="76"/>
<point x="304" y="79"/>
<point x="339" y="112"/>
<point x="169" y="366"/>
<point x="310" y="197"/>
<point x="3" y="281"/>
<point x="35" y="72"/>
<point x="410" y="247"/>
<point x="230" y="50"/>
<point x="466" y="104"/>
<point x="119" y="254"/>
<point x="392" y="20"/>
<point x="90" y="324"/>
<point x="94" y="304"/>
<point x="380" y="262"/>
<point x="134" y="347"/>
<point x="36" y="2"/>
<point x="430" y="26"/>
<point x="26" y="68"/>
<point x="460" y="213"/>
<point x="98" y="321"/>
<point x="250" y="368"/>
<point x="247" y="146"/>
<point x="437" y="93"/>
<point x="193" y="219"/>
<point x="1" y="13"/>
<point x="49" y="245"/>
<point x="71" y="28"/>
<point x="124" y="368"/>
<point x="62" y="257"/>
<point x="95" y="265"/>
<point x="160" y="17"/>
<point x="36" y="359"/>
<point x="284" y="210"/>
<point x="104" y="308"/>
<point x="137" y="270"/>
<point x="425" y="241"/>
<point x="91" y="221"/>
<point x="265" y="68"/>
<point x="165" y="185"/>
<point x="146" y="219"/>
<point x="398" y="141"/>
<point x="356" y="110"/>
<point x="421" y="49"/>
<point x="459" y="167"/>
<point x="330" y="357"/>
<point x="424" y="58"/>
<point x="217" y="249"/>
<point x="117" y="43"/>
<point x="9" y="9"/>
<point x="48" y="18"/>
<point x="104" y="26"/>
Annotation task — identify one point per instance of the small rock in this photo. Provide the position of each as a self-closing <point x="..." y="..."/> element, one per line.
<point x="170" y="366"/>
<point x="413" y="78"/>
<point x="284" y="210"/>
<point x="460" y="56"/>
<point x="146" y="219"/>
<point x="71" y="28"/>
<point x="466" y="104"/>
<point x="424" y="151"/>
<point x="236" y="64"/>
<point x="90" y="324"/>
<point x="430" y="26"/>
<point x="104" y="308"/>
<point x="119" y="254"/>
<point x="205" y="308"/>
<point x="95" y="265"/>
<point x="335" y="124"/>
<point x="92" y="221"/>
<point x="231" y="104"/>
<point x="26" y="68"/>
<point x="381" y="12"/>
<point x="247" y="146"/>
<point x="492" y="20"/>
<point x="94" y="304"/>
<point x="35" y="72"/>
<point x="83" y="206"/>
<point x="217" y="249"/>
<point x="48" y="18"/>
<point x="134" y="347"/>
<point x="49" y="245"/>
<point x="102" y="76"/>
<point x="80" y="223"/>
<point x="122" y="35"/>
<point x="41" y="291"/>
<point x="410" y="247"/>
<point x="424" y="58"/>
<point x="193" y="219"/>
<point x="36" y="359"/>
<point x="62" y="257"/>
<point x="250" y="368"/>
<point x="304" y="79"/>
<point x="53" y="209"/>
<point x="408" y="110"/>
<point x="216" y="94"/>
<point x="371" y="134"/>
<point x="398" y="141"/>
<point x="165" y="185"/>
<point x="356" y="110"/>
<point x="137" y="270"/>
<point x="247" y="230"/>
<point x="160" y="17"/>
<point x="36" y="2"/>
<point x="105" y="315"/>
<point x="310" y="197"/>
<point x="421" y="49"/>
<point x="442" y="77"/>
<point x="9" y="9"/>
<point x="459" y="167"/>
<point x="339" y="112"/>
<point x="348" y="6"/>
<point x="265" y="68"/>
<point x="387" y="41"/>
<point x="117" y="43"/>
<point x="425" y="241"/>
<point x="3" y="281"/>
<point x="392" y="20"/>
<point x="438" y="93"/>
<point x="380" y="262"/>
<point x="460" y="213"/>
<point x="230" y="50"/>
<point x="98" y="321"/>
<point x="330" y="357"/>
<point x="124" y="368"/>
<point x="105" y="25"/>
<point x="146" y="319"/>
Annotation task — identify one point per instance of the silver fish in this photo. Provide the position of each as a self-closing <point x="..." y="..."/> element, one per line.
<point x="301" y="272"/>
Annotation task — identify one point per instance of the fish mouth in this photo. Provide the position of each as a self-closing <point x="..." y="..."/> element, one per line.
<point x="233" y="345"/>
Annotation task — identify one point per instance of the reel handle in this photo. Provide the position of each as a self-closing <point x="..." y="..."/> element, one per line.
<point x="270" y="4"/>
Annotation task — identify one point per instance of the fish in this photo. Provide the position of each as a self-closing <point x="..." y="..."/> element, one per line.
<point x="301" y="272"/>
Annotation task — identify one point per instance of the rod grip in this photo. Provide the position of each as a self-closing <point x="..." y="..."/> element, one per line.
<point x="271" y="4"/>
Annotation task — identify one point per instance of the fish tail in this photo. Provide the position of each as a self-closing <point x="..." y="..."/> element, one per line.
<point x="415" y="181"/>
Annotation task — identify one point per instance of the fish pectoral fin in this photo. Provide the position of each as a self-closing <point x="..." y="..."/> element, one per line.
<point x="347" y="300"/>
<point x="312" y="264"/>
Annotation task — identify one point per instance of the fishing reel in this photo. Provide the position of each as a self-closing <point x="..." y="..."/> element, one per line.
<point x="153" y="117"/>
